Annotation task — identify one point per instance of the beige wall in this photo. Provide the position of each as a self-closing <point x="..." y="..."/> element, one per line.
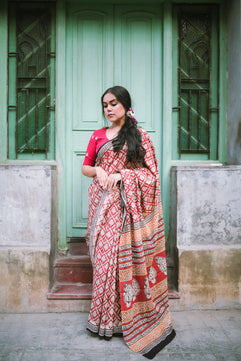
<point x="208" y="235"/>
<point x="210" y="278"/>
<point x="24" y="284"/>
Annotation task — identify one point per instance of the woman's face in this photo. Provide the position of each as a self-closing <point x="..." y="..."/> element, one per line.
<point x="113" y="109"/>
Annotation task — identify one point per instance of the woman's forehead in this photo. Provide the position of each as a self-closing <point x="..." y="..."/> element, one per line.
<point x="108" y="97"/>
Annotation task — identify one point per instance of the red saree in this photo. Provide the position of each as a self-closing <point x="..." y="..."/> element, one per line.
<point x="127" y="248"/>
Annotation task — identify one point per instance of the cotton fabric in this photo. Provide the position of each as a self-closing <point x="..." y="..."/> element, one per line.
<point x="127" y="249"/>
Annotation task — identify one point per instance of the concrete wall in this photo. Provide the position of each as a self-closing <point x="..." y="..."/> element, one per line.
<point x="24" y="283"/>
<point x="208" y="206"/>
<point x="234" y="82"/>
<point x="28" y="224"/>
<point x="25" y="208"/>
<point x="208" y="233"/>
<point x="26" y="219"/>
<point x="28" y="239"/>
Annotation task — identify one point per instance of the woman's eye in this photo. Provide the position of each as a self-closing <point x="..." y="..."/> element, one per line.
<point x="112" y="104"/>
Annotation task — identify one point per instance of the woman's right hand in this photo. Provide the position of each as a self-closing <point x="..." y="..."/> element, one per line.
<point x="102" y="177"/>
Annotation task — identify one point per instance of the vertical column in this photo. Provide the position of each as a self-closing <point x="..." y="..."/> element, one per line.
<point x="3" y="79"/>
<point x="52" y="83"/>
<point x="234" y="82"/>
<point x="60" y="118"/>
<point x="167" y="110"/>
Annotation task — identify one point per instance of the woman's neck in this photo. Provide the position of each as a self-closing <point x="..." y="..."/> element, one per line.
<point x="112" y="131"/>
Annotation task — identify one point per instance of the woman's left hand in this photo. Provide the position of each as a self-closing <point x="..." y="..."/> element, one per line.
<point x="112" y="180"/>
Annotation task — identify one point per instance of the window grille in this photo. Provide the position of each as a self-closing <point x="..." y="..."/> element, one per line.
<point x="198" y="80"/>
<point x="31" y="85"/>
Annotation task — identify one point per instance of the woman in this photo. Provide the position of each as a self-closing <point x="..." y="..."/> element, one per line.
<point x="126" y="232"/>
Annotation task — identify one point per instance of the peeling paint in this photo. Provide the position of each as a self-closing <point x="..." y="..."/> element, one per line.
<point x="208" y="206"/>
<point x="209" y="277"/>
<point x="25" y="208"/>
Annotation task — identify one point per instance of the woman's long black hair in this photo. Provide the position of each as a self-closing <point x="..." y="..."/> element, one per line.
<point x="128" y="132"/>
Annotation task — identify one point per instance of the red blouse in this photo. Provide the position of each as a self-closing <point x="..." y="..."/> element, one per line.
<point x="97" y="139"/>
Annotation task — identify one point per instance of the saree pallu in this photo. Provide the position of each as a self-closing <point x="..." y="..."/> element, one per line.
<point x="127" y="249"/>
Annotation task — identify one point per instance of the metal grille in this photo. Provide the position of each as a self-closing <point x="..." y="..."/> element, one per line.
<point x="33" y="36"/>
<point x="194" y="82"/>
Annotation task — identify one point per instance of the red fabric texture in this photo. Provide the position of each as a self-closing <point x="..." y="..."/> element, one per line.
<point x="127" y="248"/>
<point x="97" y="139"/>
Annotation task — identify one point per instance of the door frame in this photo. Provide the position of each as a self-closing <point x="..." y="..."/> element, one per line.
<point x="167" y="113"/>
<point x="61" y="112"/>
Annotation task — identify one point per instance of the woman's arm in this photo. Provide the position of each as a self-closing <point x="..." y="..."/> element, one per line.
<point x="92" y="171"/>
<point x="106" y="182"/>
<point x="89" y="171"/>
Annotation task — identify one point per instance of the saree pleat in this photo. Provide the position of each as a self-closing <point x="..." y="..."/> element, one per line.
<point x="105" y="312"/>
<point x="127" y="248"/>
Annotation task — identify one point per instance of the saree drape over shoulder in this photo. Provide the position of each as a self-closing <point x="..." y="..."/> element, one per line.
<point x="127" y="249"/>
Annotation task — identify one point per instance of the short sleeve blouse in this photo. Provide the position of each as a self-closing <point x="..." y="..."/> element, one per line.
<point x="97" y="139"/>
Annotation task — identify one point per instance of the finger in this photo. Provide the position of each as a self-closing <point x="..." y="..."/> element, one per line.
<point x="112" y="182"/>
<point x="108" y="182"/>
<point x="105" y="182"/>
<point x="102" y="179"/>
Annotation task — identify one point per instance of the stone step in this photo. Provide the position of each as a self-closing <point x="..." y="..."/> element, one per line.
<point x="73" y="275"/>
<point x="78" y="246"/>
<point x="71" y="292"/>
<point x="83" y="292"/>
<point x="74" y="269"/>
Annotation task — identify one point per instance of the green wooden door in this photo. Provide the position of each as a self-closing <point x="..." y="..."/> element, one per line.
<point x="105" y="46"/>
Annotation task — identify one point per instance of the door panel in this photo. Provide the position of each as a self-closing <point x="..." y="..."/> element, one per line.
<point x="92" y="65"/>
<point x="89" y="70"/>
<point x="107" y="46"/>
<point x="79" y="195"/>
<point x="138" y="60"/>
